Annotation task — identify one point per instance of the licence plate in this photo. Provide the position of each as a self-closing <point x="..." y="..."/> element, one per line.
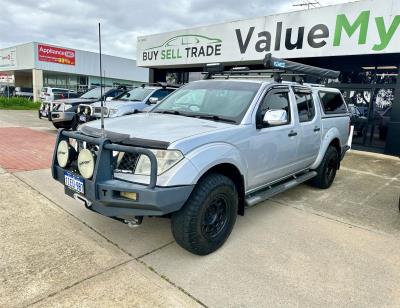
<point x="44" y="113"/>
<point x="74" y="182"/>
<point x="82" y="118"/>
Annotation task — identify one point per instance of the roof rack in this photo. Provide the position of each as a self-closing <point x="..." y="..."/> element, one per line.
<point x="274" y="69"/>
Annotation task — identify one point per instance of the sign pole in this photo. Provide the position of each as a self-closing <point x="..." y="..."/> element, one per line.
<point x="101" y="88"/>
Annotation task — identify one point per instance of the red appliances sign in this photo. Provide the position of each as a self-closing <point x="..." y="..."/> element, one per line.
<point x="57" y="55"/>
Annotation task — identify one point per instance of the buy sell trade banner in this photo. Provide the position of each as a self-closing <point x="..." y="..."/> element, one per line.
<point x="361" y="27"/>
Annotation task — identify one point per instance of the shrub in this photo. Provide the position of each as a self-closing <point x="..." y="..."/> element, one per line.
<point x="18" y="103"/>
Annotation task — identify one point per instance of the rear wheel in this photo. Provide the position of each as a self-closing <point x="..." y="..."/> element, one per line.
<point x="326" y="171"/>
<point x="207" y="219"/>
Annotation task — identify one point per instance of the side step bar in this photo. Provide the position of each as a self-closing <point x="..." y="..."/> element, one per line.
<point x="270" y="191"/>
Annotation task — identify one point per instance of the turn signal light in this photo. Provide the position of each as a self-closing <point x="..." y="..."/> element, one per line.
<point x="129" y="195"/>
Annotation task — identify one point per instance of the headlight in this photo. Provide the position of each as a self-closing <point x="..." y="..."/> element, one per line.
<point x="87" y="110"/>
<point x="63" y="153"/>
<point x="65" y="107"/>
<point x="79" y="109"/>
<point x="112" y="112"/>
<point x="166" y="159"/>
<point x="86" y="163"/>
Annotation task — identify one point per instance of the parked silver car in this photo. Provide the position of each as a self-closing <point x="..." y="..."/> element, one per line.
<point x="128" y="103"/>
<point x="206" y="152"/>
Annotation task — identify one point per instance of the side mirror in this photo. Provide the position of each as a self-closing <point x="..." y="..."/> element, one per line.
<point x="275" y="117"/>
<point x="109" y="98"/>
<point x="153" y="100"/>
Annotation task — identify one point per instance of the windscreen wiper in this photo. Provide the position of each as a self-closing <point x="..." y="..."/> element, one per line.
<point x="169" y="112"/>
<point x="214" y="118"/>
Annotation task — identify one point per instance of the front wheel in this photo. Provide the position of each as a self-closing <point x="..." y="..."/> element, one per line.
<point x="326" y="171"/>
<point x="207" y="218"/>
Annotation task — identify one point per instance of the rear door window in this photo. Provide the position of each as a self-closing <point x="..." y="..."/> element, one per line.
<point x="332" y="102"/>
<point x="305" y="106"/>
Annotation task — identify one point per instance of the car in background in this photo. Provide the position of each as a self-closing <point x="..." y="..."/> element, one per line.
<point x="130" y="102"/>
<point x="7" y="91"/>
<point x="63" y="112"/>
<point x="24" y="92"/>
<point x="50" y="94"/>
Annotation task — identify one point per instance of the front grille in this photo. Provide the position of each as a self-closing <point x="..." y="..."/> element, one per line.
<point x="97" y="111"/>
<point x="85" y="109"/>
<point x="126" y="162"/>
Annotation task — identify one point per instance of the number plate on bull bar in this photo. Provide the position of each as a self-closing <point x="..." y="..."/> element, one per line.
<point x="74" y="182"/>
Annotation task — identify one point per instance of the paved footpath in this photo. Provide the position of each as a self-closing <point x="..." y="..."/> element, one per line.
<point x="306" y="247"/>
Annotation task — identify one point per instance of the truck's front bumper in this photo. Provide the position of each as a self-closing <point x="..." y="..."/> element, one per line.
<point x="102" y="193"/>
<point x="44" y="115"/>
<point x="58" y="116"/>
<point x="105" y="198"/>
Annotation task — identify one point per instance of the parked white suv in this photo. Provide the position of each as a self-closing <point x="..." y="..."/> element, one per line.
<point x="48" y="94"/>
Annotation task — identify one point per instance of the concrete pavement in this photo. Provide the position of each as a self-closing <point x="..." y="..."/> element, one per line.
<point x="47" y="254"/>
<point x="306" y="247"/>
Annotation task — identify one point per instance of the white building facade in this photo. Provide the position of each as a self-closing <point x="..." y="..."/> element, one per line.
<point x="36" y="65"/>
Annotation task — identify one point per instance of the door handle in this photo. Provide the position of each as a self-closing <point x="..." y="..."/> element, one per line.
<point x="292" y="134"/>
<point x="317" y="129"/>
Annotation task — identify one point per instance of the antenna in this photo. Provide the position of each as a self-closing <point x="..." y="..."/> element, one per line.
<point x="101" y="89"/>
<point x="308" y="3"/>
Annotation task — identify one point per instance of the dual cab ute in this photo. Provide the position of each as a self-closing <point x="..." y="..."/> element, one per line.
<point x="63" y="112"/>
<point x="207" y="151"/>
<point x="136" y="100"/>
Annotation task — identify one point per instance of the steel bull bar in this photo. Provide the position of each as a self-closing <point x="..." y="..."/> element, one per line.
<point x="103" y="170"/>
<point x="102" y="191"/>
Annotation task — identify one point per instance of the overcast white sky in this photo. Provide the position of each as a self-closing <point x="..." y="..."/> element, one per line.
<point x="73" y="23"/>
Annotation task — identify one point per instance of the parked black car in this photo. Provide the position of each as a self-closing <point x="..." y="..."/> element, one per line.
<point x="7" y="91"/>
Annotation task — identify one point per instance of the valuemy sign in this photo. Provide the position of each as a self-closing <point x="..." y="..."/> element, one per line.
<point x="56" y="55"/>
<point x="364" y="27"/>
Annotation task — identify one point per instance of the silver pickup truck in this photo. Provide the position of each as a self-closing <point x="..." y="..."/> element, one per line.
<point x="130" y="102"/>
<point x="206" y="152"/>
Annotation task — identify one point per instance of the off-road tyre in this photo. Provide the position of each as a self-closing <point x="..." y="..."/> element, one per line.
<point x="58" y="125"/>
<point x="74" y="123"/>
<point x="208" y="216"/>
<point x="326" y="171"/>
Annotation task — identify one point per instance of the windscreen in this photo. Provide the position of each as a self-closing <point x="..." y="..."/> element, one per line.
<point x="137" y="94"/>
<point x="225" y="99"/>
<point x="93" y="94"/>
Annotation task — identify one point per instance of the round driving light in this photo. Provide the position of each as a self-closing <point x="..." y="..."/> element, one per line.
<point x="86" y="163"/>
<point x="63" y="153"/>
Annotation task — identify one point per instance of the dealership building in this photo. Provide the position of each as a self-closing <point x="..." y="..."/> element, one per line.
<point x="360" y="39"/>
<point x="36" y="65"/>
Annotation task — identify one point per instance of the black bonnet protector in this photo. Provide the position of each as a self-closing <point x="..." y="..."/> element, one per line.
<point x="125" y="138"/>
